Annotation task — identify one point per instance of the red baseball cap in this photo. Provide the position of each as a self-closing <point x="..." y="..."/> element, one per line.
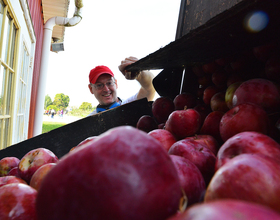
<point x="98" y="71"/>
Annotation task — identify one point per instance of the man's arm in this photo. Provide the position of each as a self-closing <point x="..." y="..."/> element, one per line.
<point x="147" y="89"/>
<point x="145" y="79"/>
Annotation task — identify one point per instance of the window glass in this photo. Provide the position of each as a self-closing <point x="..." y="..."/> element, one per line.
<point x="5" y="132"/>
<point x="20" y="128"/>
<point x="12" y="52"/>
<point x="2" y="82"/>
<point x="21" y="99"/>
<point x="7" y="37"/>
<point x="1" y="14"/>
<point x="9" y="91"/>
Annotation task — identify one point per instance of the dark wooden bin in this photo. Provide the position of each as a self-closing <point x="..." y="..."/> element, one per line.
<point x="208" y="30"/>
<point x="62" y="139"/>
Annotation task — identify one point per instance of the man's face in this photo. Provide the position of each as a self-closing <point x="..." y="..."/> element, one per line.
<point x="107" y="94"/>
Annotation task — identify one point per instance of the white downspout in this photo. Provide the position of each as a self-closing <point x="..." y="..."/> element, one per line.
<point x="48" y="28"/>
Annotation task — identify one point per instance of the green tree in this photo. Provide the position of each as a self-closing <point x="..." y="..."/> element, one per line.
<point x="54" y="107"/>
<point x="85" y="106"/>
<point x="61" y="101"/>
<point x="48" y="101"/>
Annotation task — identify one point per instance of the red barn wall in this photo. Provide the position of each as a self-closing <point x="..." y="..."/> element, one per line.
<point x="35" y="8"/>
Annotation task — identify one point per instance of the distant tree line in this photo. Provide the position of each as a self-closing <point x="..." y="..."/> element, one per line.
<point x="61" y="101"/>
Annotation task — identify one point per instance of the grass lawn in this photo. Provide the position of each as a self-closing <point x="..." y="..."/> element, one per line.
<point x="48" y="126"/>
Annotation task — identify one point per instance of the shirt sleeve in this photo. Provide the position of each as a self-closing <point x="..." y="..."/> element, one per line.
<point x="130" y="99"/>
<point x="92" y="113"/>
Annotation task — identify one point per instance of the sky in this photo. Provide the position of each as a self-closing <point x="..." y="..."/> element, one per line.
<point x="109" y="32"/>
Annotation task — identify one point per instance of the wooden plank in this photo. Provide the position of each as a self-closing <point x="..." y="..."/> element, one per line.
<point x="221" y="36"/>
<point x="62" y="139"/>
<point x="194" y="13"/>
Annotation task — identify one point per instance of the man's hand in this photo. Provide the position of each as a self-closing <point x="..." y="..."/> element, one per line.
<point x="144" y="77"/>
<point x="124" y="64"/>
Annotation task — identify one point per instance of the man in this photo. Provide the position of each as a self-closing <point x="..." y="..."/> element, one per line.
<point x="103" y="86"/>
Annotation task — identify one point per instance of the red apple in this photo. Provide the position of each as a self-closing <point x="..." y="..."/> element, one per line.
<point x="243" y="117"/>
<point x="248" y="142"/>
<point x="248" y="177"/>
<point x="261" y="92"/>
<point x="197" y="153"/>
<point x="210" y="67"/>
<point x="4" y="180"/>
<point x="208" y="93"/>
<point x="183" y="123"/>
<point x="230" y="92"/>
<point x="227" y="209"/>
<point x="207" y="140"/>
<point x="162" y="108"/>
<point x="211" y="125"/>
<point x="203" y="110"/>
<point x="17" y="201"/>
<point x="164" y="137"/>
<point x="146" y="123"/>
<point x="14" y="172"/>
<point x="87" y="140"/>
<point x="8" y="163"/>
<point x="40" y="174"/>
<point x="82" y="143"/>
<point x="198" y="71"/>
<point x="234" y="78"/>
<point x="274" y="131"/>
<point x="191" y="179"/>
<point x="205" y="80"/>
<point x="272" y="68"/>
<point x="161" y="126"/>
<point x="223" y="61"/>
<point x="264" y="52"/>
<point x="239" y="63"/>
<point x="219" y="78"/>
<point x="133" y="176"/>
<point x="184" y="100"/>
<point x="218" y="102"/>
<point x="200" y="91"/>
<point x="33" y="160"/>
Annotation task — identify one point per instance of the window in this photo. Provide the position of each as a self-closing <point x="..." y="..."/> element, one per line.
<point x="22" y="94"/>
<point x="8" y="36"/>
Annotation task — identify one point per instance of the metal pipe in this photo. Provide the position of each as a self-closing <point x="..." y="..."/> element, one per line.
<point x="48" y="29"/>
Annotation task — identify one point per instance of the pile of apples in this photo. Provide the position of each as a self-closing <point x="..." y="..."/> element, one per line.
<point x="229" y="128"/>
<point x="20" y="180"/>
<point x="209" y="154"/>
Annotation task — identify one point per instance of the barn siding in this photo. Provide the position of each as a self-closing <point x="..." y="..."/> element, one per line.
<point x="35" y="8"/>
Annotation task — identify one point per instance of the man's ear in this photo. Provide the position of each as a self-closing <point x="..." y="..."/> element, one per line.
<point x="116" y="82"/>
<point x="90" y="88"/>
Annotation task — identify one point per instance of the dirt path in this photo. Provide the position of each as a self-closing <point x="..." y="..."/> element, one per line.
<point x="64" y="119"/>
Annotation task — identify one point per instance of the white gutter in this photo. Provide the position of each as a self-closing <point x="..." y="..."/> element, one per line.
<point x="48" y="28"/>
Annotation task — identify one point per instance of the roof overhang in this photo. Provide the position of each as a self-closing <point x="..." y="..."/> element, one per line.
<point x="53" y="8"/>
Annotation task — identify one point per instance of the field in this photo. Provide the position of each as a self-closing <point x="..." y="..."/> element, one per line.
<point x="48" y="126"/>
